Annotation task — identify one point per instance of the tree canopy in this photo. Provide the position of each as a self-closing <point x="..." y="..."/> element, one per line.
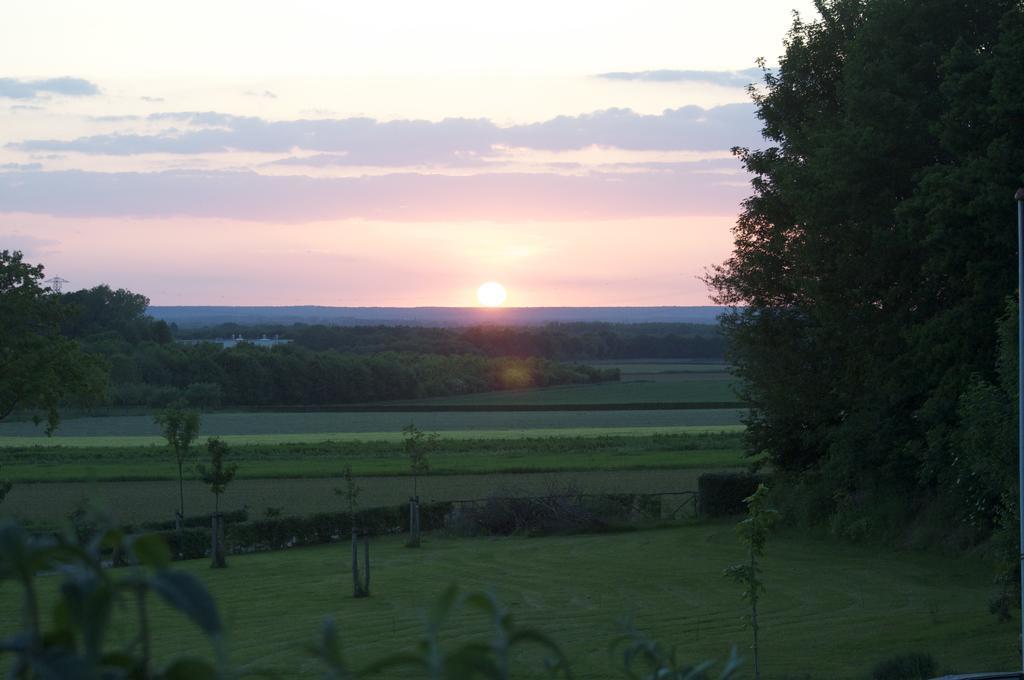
<point x="878" y="248"/>
<point x="39" y="367"/>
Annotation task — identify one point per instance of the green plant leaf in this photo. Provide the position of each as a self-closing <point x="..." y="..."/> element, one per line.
<point x="150" y="550"/>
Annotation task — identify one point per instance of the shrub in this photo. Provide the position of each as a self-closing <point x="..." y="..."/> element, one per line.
<point x="561" y="511"/>
<point x="912" y="666"/>
<point x="278" y="533"/>
<point x="197" y="521"/>
<point x="187" y="544"/>
<point x="720" y="494"/>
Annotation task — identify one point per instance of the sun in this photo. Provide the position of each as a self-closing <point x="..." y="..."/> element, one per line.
<point x="491" y="294"/>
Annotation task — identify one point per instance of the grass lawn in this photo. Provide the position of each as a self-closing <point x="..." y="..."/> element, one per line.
<point x="831" y="611"/>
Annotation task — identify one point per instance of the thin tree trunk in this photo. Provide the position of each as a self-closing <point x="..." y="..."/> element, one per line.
<point x="181" y="495"/>
<point x="414" y="522"/>
<point x="366" y="562"/>
<point x="217" y="536"/>
<point x="356" y="585"/>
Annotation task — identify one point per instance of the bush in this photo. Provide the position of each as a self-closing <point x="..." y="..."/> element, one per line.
<point x="278" y="533"/>
<point x="561" y="511"/>
<point x="188" y="544"/>
<point x="913" y="666"/>
<point x="197" y="521"/>
<point x="720" y="494"/>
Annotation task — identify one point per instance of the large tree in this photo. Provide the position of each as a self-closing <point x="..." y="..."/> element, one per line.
<point x="39" y="368"/>
<point x="878" y="247"/>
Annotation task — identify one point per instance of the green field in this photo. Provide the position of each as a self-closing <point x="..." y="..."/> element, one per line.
<point x="137" y="484"/>
<point x="642" y="383"/>
<point x="705" y="388"/>
<point x="830" y="611"/>
<point x="320" y="426"/>
<point x="458" y="455"/>
<point x="664" y="366"/>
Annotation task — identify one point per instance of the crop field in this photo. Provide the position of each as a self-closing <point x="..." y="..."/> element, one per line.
<point x="321" y="426"/>
<point x="665" y="366"/>
<point x="51" y="481"/>
<point x="660" y="388"/>
<point x="830" y="611"/>
<point x="642" y="382"/>
<point x="477" y="455"/>
<point x="292" y="461"/>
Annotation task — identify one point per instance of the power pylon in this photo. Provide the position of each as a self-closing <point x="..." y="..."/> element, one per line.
<point x="57" y="283"/>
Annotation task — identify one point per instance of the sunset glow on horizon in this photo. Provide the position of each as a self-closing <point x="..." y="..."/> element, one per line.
<point x="380" y="155"/>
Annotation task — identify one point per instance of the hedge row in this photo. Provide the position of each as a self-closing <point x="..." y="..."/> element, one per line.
<point x="197" y="521"/>
<point x="290" y="532"/>
<point x="555" y="513"/>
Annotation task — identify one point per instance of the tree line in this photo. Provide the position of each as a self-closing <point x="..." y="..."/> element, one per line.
<point x="555" y="341"/>
<point x="873" y="278"/>
<point x="148" y="368"/>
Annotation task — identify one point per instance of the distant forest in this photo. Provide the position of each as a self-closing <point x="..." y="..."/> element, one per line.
<point x="198" y="317"/>
<point x="554" y="341"/>
<point x="324" y="365"/>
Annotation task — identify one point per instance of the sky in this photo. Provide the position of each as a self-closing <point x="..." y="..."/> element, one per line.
<point x="381" y="154"/>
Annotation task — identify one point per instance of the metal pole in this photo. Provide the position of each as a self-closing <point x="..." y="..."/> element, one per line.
<point x="1019" y="198"/>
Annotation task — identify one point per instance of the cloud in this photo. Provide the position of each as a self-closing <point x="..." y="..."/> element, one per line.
<point x="689" y="128"/>
<point x="266" y="94"/>
<point x="114" y="119"/>
<point x="12" y="88"/>
<point x="451" y="141"/>
<point x="29" y="245"/>
<point x="152" y="99"/>
<point x="21" y="166"/>
<point x="724" y="78"/>
<point x="397" y="196"/>
<point x="396" y="158"/>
